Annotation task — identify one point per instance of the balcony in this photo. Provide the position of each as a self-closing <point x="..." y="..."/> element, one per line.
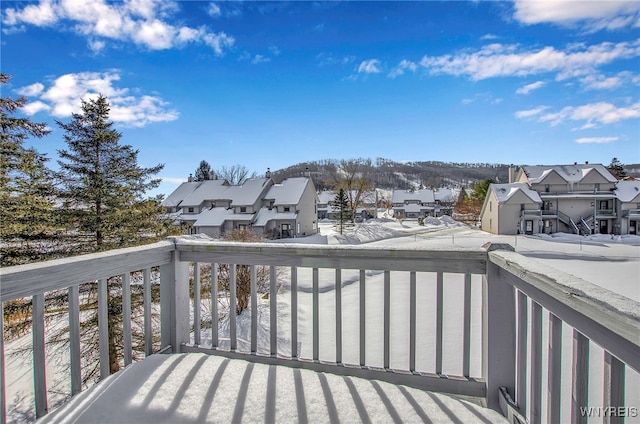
<point x="364" y="334"/>
<point x="532" y="213"/>
<point x="605" y="213"/>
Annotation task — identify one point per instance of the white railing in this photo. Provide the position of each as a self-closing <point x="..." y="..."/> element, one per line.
<point x="514" y="290"/>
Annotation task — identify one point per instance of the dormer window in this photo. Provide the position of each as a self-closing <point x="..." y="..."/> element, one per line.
<point x="597" y="186"/>
<point x="287" y="208"/>
<point x="243" y="209"/>
<point x="190" y="210"/>
<point x="546" y="188"/>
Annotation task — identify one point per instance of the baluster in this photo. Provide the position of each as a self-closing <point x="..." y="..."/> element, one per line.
<point x="214" y="305"/>
<point x="196" y="303"/>
<point x="254" y="309"/>
<point x="554" y="369"/>
<point x="466" y="327"/>
<point x="294" y="312"/>
<point x="521" y="361"/>
<point x="338" y="316"/>
<point x="273" y="310"/>
<point x="126" y="318"/>
<point x="3" y="383"/>
<point x="439" y="321"/>
<point x="316" y="316"/>
<point x="39" y="366"/>
<point x="412" y="321"/>
<point x="74" y="339"/>
<point x="362" y="318"/>
<point x="232" y="307"/>
<point x="536" y="363"/>
<point x="580" y="378"/>
<point x="387" y="318"/>
<point x="103" y="327"/>
<point x="146" y="304"/>
<point x="614" y="381"/>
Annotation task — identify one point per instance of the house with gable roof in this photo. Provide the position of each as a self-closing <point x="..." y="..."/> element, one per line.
<point x="576" y="198"/>
<point x="628" y="205"/>
<point x="214" y="207"/>
<point x="289" y="209"/>
<point x="511" y="209"/>
<point x="413" y="204"/>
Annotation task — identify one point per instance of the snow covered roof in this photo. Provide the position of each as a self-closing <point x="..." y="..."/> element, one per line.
<point x="504" y="192"/>
<point x="289" y="192"/>
<point x="423" y="196"/>
<point x="249" y="192"/>
<point x="206" y="190"/>
<point x="265" y="215"/>
<point x="444" y="195"/>
<point x="215" y="217"/>
<point x="326" y="197"/>
<point x="628" y="191"/>
<point x="179" y="194"/>
<point x="570" y="173"/>
<point x="240" y="195"/>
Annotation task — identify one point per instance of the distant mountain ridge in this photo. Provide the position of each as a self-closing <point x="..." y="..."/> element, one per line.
<point x="390" y="174"/>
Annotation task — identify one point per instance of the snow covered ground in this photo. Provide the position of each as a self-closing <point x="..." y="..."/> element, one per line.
<point x="611" y="263"/>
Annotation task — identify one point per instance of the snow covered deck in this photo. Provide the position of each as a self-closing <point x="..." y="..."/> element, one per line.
<point x="356" y="328"/>
<point x="198" y="388"/>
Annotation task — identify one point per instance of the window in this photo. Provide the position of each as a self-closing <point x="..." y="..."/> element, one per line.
<point x="243" y="209"/>
<point x="490" y="206"/>
<point x="287" y="208"/>
<point x="190" y="210"/>
<point x="547" y="188"/>
<point x="242" y="227"/>
<point x="597" y="186"/>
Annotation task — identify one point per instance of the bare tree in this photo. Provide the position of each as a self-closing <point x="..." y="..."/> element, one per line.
<point x="236" y="174"/>
<point x="355" y="177"/>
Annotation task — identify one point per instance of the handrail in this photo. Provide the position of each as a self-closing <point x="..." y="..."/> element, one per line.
<point x="511" y="281"/>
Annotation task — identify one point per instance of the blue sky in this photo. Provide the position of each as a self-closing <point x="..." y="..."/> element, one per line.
<point x="271" y="84"/>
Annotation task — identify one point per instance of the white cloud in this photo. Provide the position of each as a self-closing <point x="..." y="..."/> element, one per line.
<point x="498" y="60"/>
<point x="173" y="180"/>
<point x="489" y="37"/>
<point x="593" y="15"/>
<point x="592" y="115"/>
<point x="403" y="66"/>
<point x="32" y="108"/>
<point x="213" y="10"/>
<point x="260" y="59"/>
<point x="31" y="90"/>
<point x="530" y="87"/>
<point x="327" y="59"/>
<point x="601" y="82"/>
<point x="64" y="96"/>
<point x="524" y="114"/>
<point x="371" y="66"/>
<point x="142" y="22"/>
<point x="600" y="140"/>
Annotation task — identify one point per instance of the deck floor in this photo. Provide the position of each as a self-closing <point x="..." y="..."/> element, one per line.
<point x="196" y="388"/>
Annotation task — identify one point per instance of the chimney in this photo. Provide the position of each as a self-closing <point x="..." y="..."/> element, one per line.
<point x="190" y="179"/>
<point x="268" y="173"/>
<point x="512" y="174"/>
<point x="212" y="176"/>
<point x="307" y="173"/>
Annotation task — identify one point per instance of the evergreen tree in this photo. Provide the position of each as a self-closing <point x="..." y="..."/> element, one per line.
<point x="480" y="190"/>
<point x="203" y="171"/>
<point x="345" y="213"/>
<point x="617" y="169"/>
<point x="25" y="183"/>
<point x="101" y="182"/>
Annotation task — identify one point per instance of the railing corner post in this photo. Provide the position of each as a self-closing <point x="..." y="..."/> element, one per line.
<point x="498" y="331"/>
<point x="174" y="303"/>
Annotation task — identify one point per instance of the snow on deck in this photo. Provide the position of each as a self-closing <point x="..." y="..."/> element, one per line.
<point x="194" y="387"/>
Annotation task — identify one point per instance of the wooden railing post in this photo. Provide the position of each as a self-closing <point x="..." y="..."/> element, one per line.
<point x="498" y="331"/>
<point x="174" y="303"/>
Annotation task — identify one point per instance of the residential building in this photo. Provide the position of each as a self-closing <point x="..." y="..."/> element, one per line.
<point x="580" y="198"/>
<point x="511" y="209"/>
<point x="628" y="206"/>
<point x="213" y="207"/>
<point x="413" y="204"/>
